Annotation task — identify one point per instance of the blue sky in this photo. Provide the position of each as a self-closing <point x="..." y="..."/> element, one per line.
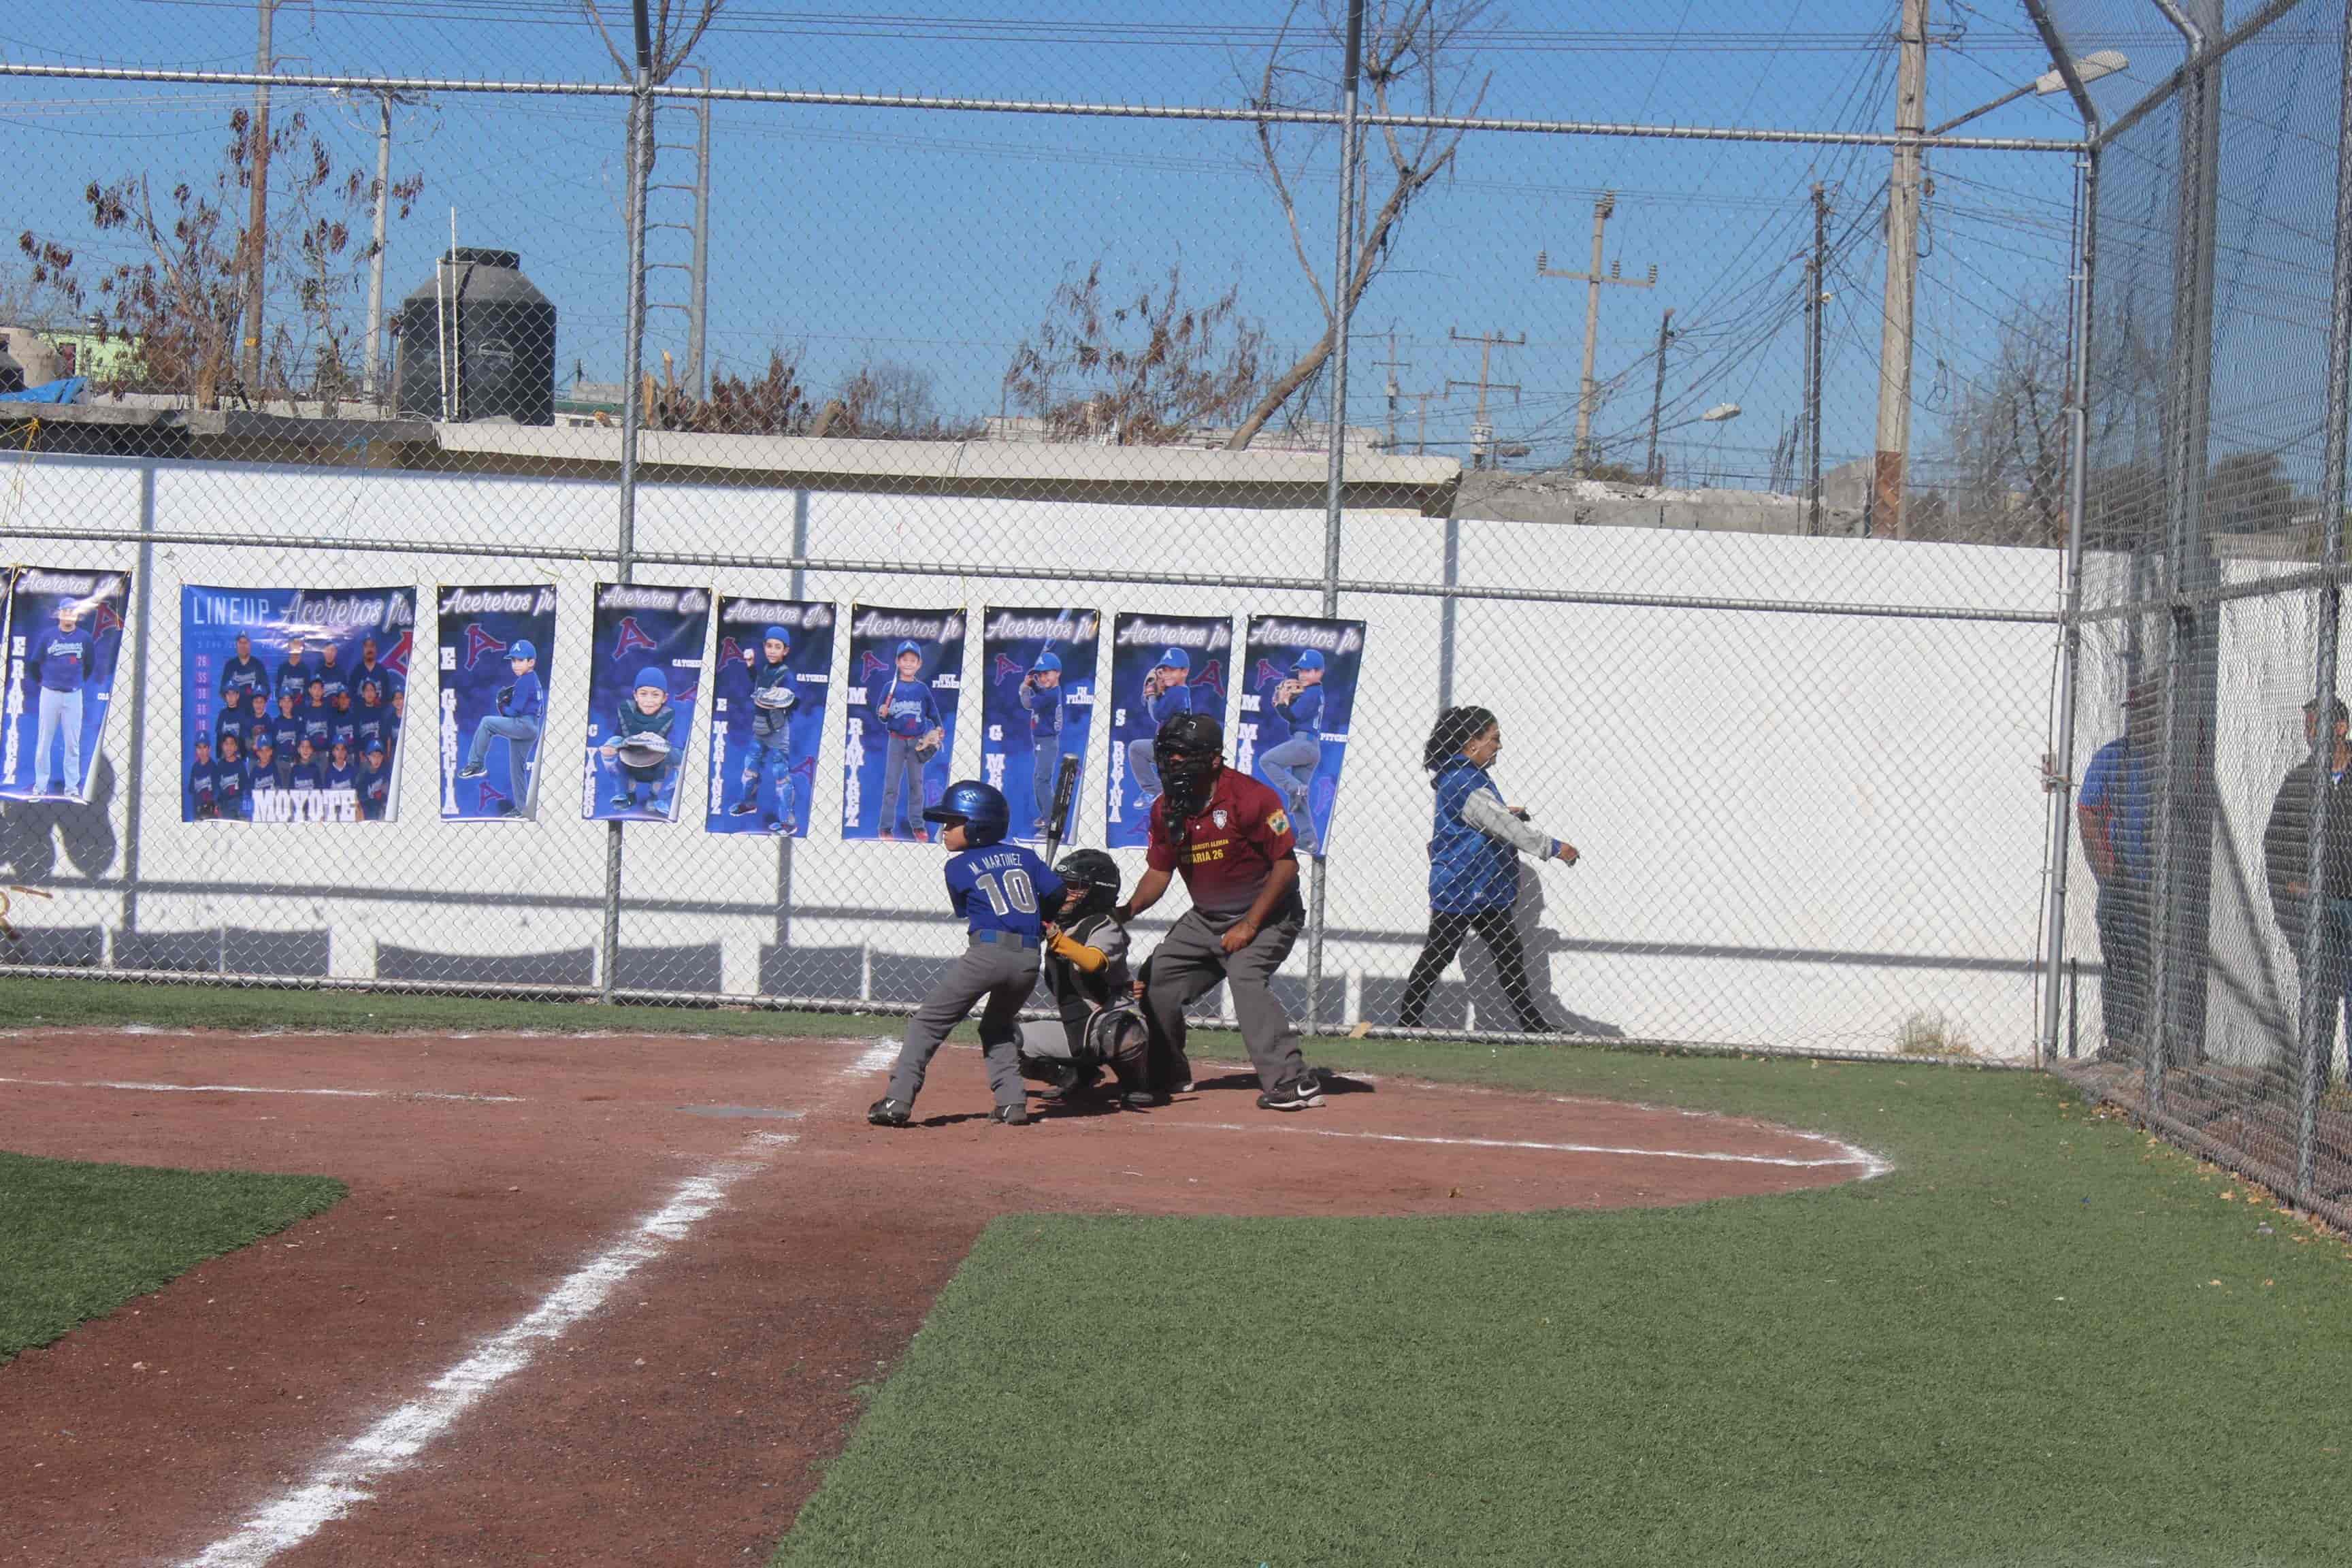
<point x="936" y="239"/>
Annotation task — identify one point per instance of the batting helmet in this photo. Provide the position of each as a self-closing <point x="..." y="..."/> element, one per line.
<point x="981" y="808"/>
<point x="1308" y="659"/>
<point x="1092" y="876"/>
<point x="1174" y="659"/>
<point x="1047" y="661"/>
<point x="521" y="647"/>
<point x="1189" y="751"/>
<point x="776" y="634"/>
<point x="649" y="676"/>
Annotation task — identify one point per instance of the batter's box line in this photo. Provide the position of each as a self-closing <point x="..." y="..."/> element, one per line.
<point x="1872" y="1165"/>
<point x="264" y="1088"/>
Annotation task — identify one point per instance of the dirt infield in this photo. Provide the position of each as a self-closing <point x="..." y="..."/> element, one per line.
<point x="614" y="1299"/>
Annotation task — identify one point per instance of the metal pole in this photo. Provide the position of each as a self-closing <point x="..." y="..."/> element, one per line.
<point x="2316" y="1015"/>
<point x="1814" y="282"/>
<point x="784" y="843"/>
<point x="2070" y="633"/>
<point x="256" y="220"/>
<point x="697" y="300"/>
<point x="133" y="809"/>
<point x="1651" y="470"/>
<point x="1902" y="278"/>
<point x="375" y="259"/>
<point x="1447" y="609"/>
<point x="1342" y="282"/>
<point x="1584" y="387"/>
<point x="632" y="375"/>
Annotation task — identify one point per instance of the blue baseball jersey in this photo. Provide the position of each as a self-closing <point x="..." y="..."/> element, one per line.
<point x="240" y="676"/>
<point x="2121" y="788"/>
<point x="336" y="678"/>
<point x="285" y="728"/>
<point x="204" y="783"/>
<point x="375" y="791"/>
<point x="344" y="774"/>
<point x="294" y="676"/>
<point x="1005" y="886"/>
<point x="302" y="776"/>
<point x="316" y="721"/>
<point x="344" y="726"/>
<point x="369" y="722"/>
<point x="386" y="682"/>
<point x="62" y="658"/>
<point x="1158" y="710"/>
<point x="524" y="698"/>
<point x="266" y="781"/>
<point x="772" y="698"/>
<point x="1304" y="712"/>
<point x="1044" y="710"/>
<point x="904" y="707"/>
<point x="231" y="783"/>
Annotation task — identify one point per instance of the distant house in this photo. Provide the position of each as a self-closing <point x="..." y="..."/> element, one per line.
<point x="52" y="352"/>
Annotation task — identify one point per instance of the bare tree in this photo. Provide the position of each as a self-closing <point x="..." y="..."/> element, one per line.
<point x="1416" y="61"/>
<point x="1146" y="370"/>
<point x="889" y="401"/>
<point x="2005" y="442"/>
<point x="676" y="27"/>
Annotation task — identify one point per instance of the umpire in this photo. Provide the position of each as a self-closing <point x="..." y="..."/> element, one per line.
<point x="1229" y="838"/>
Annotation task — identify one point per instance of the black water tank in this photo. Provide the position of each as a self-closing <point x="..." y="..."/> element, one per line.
<point x="505" y="333"/>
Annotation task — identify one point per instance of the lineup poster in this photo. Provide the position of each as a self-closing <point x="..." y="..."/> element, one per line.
<point x="645" y="668"/>
<point x="496" y="644"/>
<point x="1299" y="690"/>
<point x="1038" y="706"/>
<point x="1160" y="666"/>
<point x="64" y="640"/>
<point x="291" y="702"/>
<point x="767" y="714"/>
<point x="906" y="678"/>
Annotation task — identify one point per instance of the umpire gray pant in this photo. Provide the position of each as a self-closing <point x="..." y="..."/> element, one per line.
<point x="996" y="966"/>
<point x="1192" y="959"/>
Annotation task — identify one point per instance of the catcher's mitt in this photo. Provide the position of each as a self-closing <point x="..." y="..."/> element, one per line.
<point x="929" y="746"/>
<point x="642" y="750"/>
<point x="775" y="699"/>
<point x="506" y="698"/>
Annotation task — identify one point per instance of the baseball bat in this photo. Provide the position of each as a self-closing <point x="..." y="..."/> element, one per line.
<point x="1065" y="789"/>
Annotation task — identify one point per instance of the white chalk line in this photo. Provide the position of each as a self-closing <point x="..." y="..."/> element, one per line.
<point x="1872" y="1165"/>
<point x="262" y="1088"/>
<point x="350" y="1475"/>
<point x="878" y="1056"/>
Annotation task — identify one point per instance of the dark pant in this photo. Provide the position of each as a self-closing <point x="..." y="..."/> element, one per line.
<point x="1188" y="964"/>
<point x="1446" y="932"/>
<point x="2125" y="941"/>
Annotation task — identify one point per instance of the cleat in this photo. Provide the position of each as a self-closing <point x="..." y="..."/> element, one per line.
<point x="1014" y="1115"/>
<point x="621" y="802"/>
<point x="474" y="771"/>
<point x="1141" y="1099"/>
<point x="743" y="808"/>
<point x="776" y="827"/>
<point x="889" y="1112"/>
<point x="1298" y="1094"/>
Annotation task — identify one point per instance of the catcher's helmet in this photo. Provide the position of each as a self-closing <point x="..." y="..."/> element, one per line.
<point x="649" y="676"/>
<point x="980" y="807"/>
<point x="1174" y="659"/>
<point x="1048" y="660"/>
<point x="1092" y="876"/>
<point x="1190" y="751"/>
<point x="776" y="634"/>
<point x="1308" y="659"/>
<point x="521" y="647"/>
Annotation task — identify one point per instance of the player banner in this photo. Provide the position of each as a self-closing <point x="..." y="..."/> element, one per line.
<point x="906" y="678"/>
<point x="643" y="670"/>
<point x="65" y="637"/>
<point x="291" y="702"/>
<point x="1036" y="706"/>
<point x="1160" y="666"/>
<point x="1297" y="692"/>
<point x="495" y="643"/>
<point x="767" y="714"/>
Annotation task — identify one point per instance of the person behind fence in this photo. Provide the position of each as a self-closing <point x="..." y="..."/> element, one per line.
<point x="519" y="703"/>
<point x="1100" y="1025"/>
<point x="2286" y="865"/>
<point x="374" y="783"/>
<point x="57" y="662"/>
<point x="204" y="781"/>
<point x="231" y="779"/>
<point x="1001" y="891"/>
<point x="2116" y="813"/>
<point x="1229" y="838"/>
<point x="1473" y="866"/>
<point x="1290" y="766"/>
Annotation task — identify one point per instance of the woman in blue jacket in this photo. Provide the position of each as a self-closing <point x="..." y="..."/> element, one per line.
<point x="1474" y="865"/>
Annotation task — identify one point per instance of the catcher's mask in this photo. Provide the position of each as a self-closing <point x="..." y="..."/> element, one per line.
<point x="1189" y="751"/>
<point x="1092" y="876"/>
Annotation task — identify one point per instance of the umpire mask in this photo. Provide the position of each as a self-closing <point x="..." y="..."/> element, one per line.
<point x="1189" y="751"/>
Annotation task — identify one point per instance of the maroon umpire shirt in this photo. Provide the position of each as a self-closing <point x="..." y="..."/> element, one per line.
<point x="1225" y="854"/>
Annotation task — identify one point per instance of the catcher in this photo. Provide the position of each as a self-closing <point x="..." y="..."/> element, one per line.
<point x="914" y="731"/>
<point x="1101" y="1024"/>
<point x="639" y="750"/>
<point x="770" y="752"/>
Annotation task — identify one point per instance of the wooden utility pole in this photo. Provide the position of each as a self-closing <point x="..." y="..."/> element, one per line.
<point x="1902" y="277"/>
<point x="1814" y="270"/>
<point x="1482" y="433"/>
<point x="1650" y="471"/>
<point x="1588" y="393"/>
<point x="256" y="220"/>
<point x="1392" y="365"/>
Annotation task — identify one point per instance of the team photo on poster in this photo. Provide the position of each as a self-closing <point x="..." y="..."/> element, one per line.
<point x="767" y="714"/>
<point x="495" y="647"/>
<point x="293" y="702"/>
<point x="1160" y="666"/>
<point x="1036" y="706"/>
<point x="65" y="641"/>
<point x="1297" y="694"/>
<point x="906" y="678"/>
<point x="645" y="670"/>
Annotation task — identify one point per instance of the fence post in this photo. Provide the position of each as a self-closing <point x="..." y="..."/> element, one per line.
<point x="632" y="412"/>
<point x="1343" y="274"/>
<point x="2315" y="1015"/>
<point x="2070" y="631"/>
<point x="132" y="810"/>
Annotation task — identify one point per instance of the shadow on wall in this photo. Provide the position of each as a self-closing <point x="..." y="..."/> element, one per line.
<point x="1486" y="989"/>
<point x="33" y="831"/>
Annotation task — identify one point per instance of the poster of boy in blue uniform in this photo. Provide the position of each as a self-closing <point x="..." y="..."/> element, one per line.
<point x="644" y="671"/>
<point x="1160" y="666"/>
<point x="228" y="636"/>
<point x="905" y="679"/>
<point x="1296" y="704"/>
<point x="65" y="635"/>
<point x="1038" y="706"/>
<point x="767" y="714"/>
<point x="495" y="643"/>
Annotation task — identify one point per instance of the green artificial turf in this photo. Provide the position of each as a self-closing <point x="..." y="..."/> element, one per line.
<point x="2041" y="1339"/>
<point x="78" y="1240"/>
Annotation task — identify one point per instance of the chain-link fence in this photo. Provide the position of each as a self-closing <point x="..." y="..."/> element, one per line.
<point x="1033" y="363"/>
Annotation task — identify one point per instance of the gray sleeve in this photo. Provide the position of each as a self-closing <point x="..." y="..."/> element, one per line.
<point x="1485" y="811"/>
<point x="1109" y="939"/>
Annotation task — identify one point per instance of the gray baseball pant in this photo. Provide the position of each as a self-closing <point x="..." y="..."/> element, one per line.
<point x="1044" y="764"/>
<point x="60" y="717"/>
<point x="993" y="966"/>
<point x="1290" y="769"/>
<point x="900" y="765"/>
<point x="519" y="735"/>
<point x="1146" y="769"/>
<point x="1191" y="961"/>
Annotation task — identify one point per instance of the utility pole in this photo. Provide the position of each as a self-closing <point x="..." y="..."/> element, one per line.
<point x="1588" y="395"/>
<point x="1655" y="475"/>
<point x="1392" y="365"/>
<point x="1814" y="278"/>
<point x="256" y="219"/>
<point x="1482" y="433"/>
<point x="1902" y="276"/>
<point x="697" y="271"/>
<point x="376" y="257"/>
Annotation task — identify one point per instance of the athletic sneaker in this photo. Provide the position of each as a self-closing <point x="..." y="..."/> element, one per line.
<point x="474" y="771"/>
<point x="1014" y="1115"/>
<point x="783" y="826"/>
<point x="623" y="803"/>
<point x="889" y="1112"/>
<point x="743" y="808"/>
<point x="1142" y="1100"/>
<point x="1297" y="1094"/>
